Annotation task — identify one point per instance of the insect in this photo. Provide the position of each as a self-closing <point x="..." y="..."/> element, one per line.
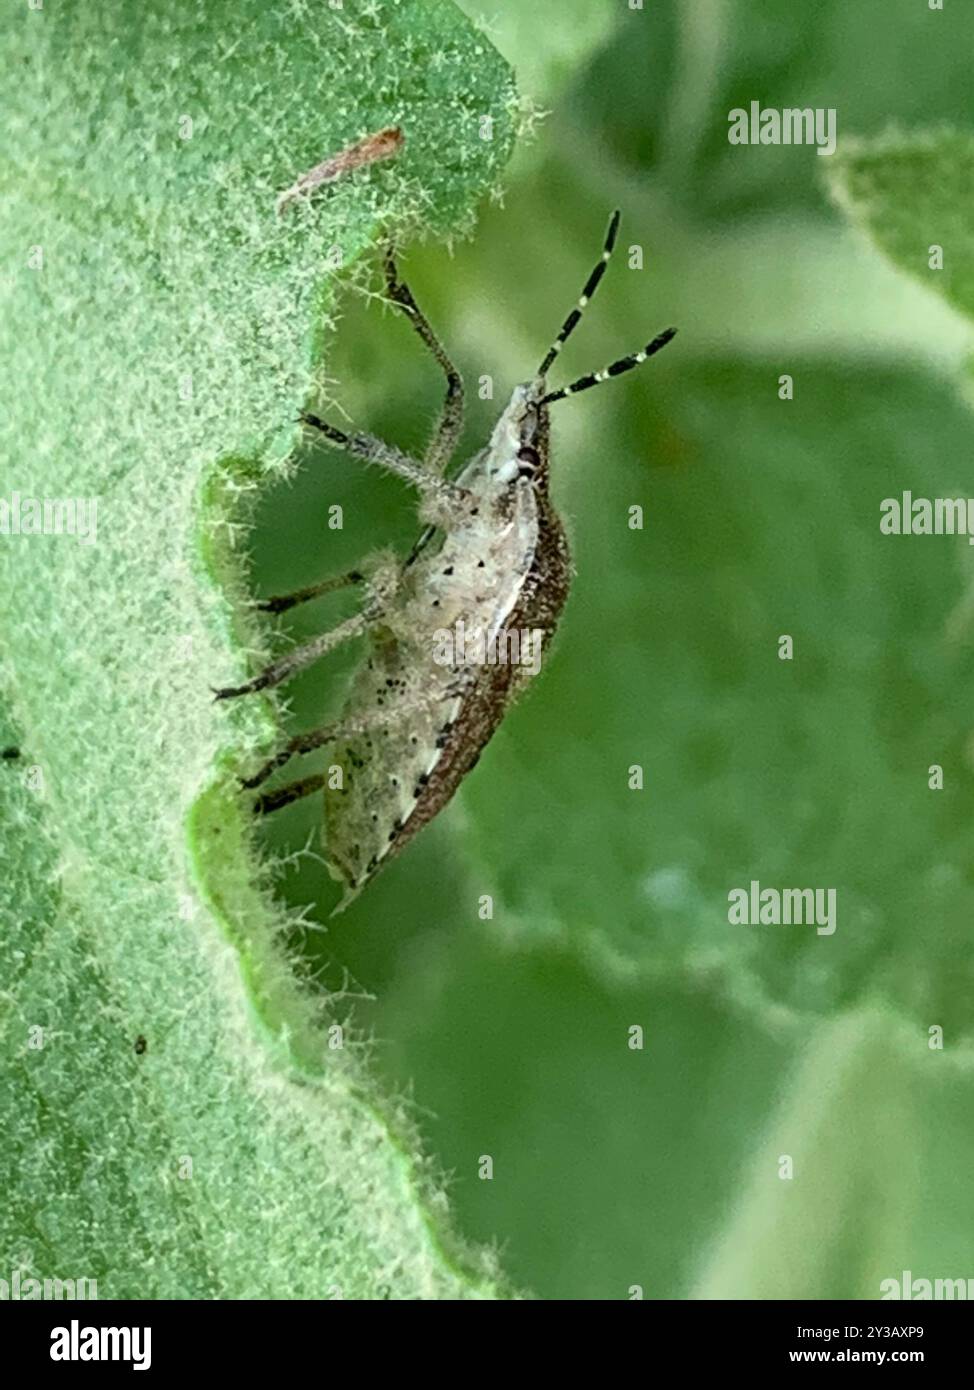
<point x="141" y="1045"/>
<point x="493" y="555"/>
<point x="369" y="150"/>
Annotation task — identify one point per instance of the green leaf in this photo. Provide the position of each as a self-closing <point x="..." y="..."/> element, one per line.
<point x="658" y="97"/>
<point x="166" y="332"/>
<point x="914" y="194"/>
<point x="805" y="1221"/>
<point x="623" y="1159"/>
<point x="753" y="767"/>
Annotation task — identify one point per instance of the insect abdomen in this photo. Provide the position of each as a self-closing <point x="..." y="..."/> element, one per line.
<point x="538" y="608"/>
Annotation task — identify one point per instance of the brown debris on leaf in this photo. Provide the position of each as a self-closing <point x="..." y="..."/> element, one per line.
<point x="384" y="144"/>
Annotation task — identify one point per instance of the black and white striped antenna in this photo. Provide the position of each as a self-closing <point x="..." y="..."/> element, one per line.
<point x="624" y="364"/>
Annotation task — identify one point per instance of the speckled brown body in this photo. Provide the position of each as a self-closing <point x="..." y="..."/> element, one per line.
<point x="483" y="709"/>
<point x="503" y="565"/>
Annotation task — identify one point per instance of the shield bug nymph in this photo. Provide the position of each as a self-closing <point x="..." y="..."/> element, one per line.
<point x="492" y="558"/>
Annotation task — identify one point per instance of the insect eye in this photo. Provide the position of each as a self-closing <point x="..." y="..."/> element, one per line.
<point x="529" y="460"/>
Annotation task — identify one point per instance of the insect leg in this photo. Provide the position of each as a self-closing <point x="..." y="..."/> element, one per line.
<point x="280" y="603"/>
<point x="293" y="791"/>
<point x="301" y="743"/>
<point x="449" y="427"/>
<point x="300" y="657"/>
<point x="442" y="495"/>
<point x="381" y="587"/>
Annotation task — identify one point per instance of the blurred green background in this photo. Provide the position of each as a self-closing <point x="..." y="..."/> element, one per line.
<point x="659" y="1168"/>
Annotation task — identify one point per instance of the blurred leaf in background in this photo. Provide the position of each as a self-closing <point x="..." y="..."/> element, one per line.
<point x="660" y="1167"/>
